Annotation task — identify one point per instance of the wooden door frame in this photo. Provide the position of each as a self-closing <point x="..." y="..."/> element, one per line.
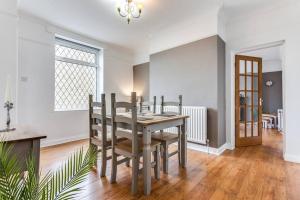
<point x="231" y="55"/>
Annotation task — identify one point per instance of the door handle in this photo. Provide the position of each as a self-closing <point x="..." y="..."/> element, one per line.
<point x="260" y="101"/>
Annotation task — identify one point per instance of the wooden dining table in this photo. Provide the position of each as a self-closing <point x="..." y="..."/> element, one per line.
<point x="153" y="124"/>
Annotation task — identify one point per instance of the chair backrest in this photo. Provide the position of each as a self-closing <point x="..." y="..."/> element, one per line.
<point x="130" y="120"/>
<point x="97" y="120"/>
<point x="147" y="105"/>
<point x="178" y="104"/>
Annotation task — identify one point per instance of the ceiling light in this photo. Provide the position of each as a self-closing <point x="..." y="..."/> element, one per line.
<point x="130" y="9"/>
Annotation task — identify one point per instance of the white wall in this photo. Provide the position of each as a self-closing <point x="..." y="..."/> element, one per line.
<point x="36" y="95"/>
<point x="8" y="53"/>
<point x="277" y="22"/>
<point x="272" y="66"/>
<point x="177" y="34"/>
<point x="8" y="7"/>
<point x="221" y="27"/>
<point x="180" y="33"/>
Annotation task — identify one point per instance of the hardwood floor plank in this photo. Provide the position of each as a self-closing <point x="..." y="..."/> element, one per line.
<point x="257" y="172"/>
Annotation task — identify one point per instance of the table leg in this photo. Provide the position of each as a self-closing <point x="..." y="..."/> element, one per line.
<point x="147" y="160"/>
<point x="183" y="144"/>
<point x="36" y="155"/>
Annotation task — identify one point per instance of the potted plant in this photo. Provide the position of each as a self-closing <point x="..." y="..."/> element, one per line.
<point x="62" y="184"/>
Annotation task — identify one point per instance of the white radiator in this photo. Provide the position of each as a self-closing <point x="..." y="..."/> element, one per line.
<point x="196" y="124"/>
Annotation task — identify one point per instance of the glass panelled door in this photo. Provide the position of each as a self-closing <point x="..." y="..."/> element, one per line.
<point x="248" y="101"/>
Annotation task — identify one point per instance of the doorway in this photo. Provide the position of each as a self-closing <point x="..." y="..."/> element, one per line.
<point x="259" y="101"/>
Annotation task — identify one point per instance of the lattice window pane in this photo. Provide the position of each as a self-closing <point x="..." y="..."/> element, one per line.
<point x="75" y="54"/>
<point x="74" y="81"/>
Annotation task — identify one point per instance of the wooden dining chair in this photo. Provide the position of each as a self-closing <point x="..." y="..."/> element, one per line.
<point x="100" y="136"/>
<point x="144" y="105"/>
<point x="132" y="148"/>
<point x="167" y="138"/>
<point x="98" y="130"/>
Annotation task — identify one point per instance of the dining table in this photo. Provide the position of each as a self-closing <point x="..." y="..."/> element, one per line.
<point x="151" y="123"/>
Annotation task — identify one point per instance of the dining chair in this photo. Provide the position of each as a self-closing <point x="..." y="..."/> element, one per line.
<point x="144" y="105"/>
<point x="100" y="136"/>
<point x="132" y="148"/>
<point x="98" y="130"/>
<point x="167" y="138"/>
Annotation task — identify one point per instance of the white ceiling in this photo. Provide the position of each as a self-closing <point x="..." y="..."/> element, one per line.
<point x="239" y="7"/>
<point x="98" y="18"/>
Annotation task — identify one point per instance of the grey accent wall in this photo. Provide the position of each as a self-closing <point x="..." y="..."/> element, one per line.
<point x="197" y="71"/>
<point x="221" y="93"/>
<point x="141" y="79"/>
<point x="272" y="96"/>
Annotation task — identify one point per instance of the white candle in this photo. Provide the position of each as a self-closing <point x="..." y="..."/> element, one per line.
<point x="8" y="90"/>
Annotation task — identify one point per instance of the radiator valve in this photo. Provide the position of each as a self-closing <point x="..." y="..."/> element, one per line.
<point x="207" y="145"/>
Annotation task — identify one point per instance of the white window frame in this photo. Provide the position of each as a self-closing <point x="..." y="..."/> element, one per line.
<point x="86" y="48"/>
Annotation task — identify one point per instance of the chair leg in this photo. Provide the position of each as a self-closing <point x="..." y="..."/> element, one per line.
<point x="157" y="163"/>
<point x="113" y="168"/>
<point x="103" y="162"/>
<point x="178" y="153"/>
<point x="179" y="146"/>
<point x="128" y="163"/>
<point x="135" y="175"/>
<point x="165" y="158"/>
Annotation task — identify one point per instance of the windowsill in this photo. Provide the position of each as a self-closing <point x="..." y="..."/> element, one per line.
<point x="75" y="110"/>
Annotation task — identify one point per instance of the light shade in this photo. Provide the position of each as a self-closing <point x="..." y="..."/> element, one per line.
<point x="129" y="9"/>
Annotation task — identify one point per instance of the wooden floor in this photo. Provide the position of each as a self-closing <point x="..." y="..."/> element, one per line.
<point x="245" y="173"/>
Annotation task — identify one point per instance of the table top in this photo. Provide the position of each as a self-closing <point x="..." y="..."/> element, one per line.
<point x="161" y="119"/>
<point x="20" y="134"/>
<point x="150" y="119"/>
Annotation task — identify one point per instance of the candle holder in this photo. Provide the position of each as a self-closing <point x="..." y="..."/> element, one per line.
<point x="8" y="105"/>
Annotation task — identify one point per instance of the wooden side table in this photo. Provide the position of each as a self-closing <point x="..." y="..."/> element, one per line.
<point x="25" y="142"/>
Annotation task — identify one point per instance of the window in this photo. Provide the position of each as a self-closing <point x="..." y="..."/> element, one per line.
<point x="76" y="75"/>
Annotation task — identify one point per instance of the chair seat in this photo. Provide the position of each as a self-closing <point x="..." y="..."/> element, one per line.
<point x="165" y="137"/>
<point x="126" y="146"/>
<point x="96" y="140"/>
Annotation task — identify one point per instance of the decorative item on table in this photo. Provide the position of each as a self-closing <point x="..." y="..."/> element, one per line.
<point x="8" y="105"/>
<point x="243" y="98"/>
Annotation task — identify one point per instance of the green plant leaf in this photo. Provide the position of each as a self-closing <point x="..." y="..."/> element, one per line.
<point x="64" y="183"/>
<point x="33" y="188"/>
<point x="11" y="182"/>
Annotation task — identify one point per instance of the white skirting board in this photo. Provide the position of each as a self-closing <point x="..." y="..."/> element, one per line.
<point x="192" y="146"/>
<point x="291" y="158"/>
<point x="210" y="150"/>
<point x="196" y="147"/>
<point x="49" y="142"/>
